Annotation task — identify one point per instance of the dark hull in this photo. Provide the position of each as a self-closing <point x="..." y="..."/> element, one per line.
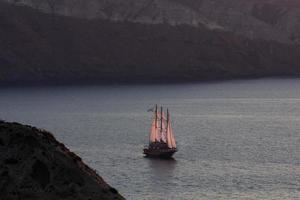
<point x="159" y="153"/>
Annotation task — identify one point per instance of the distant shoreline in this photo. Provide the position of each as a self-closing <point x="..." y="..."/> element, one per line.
<point x="37" y="50"/>
<point x="138" y="82"/>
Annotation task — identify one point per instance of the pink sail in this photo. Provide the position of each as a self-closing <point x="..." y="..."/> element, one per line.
<point x="162" y="143"/>
<point x="153" y="131"/>
<point x="170" y="136"/>
<point x="161" y="129"/>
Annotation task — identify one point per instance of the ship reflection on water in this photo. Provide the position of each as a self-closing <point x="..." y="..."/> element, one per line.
<point x="162" y="172"/>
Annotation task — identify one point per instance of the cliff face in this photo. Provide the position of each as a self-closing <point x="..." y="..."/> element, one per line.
<point x="59" y="41"/>
<point x="266" y="19"/>
<point x="34" y="165"/>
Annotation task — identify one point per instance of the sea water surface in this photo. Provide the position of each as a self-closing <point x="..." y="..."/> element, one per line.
<point x="236" y="139"/>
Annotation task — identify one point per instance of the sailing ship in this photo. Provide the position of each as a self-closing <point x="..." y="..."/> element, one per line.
<point x="162" y="142"/>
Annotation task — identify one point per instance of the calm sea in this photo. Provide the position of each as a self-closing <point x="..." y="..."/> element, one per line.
<point x="237" y="139"/>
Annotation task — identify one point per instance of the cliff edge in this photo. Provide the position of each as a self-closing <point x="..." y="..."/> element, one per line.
<point x="34" y="165"/>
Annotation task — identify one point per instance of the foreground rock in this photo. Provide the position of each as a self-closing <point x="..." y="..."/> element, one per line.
<point x="34" y="165"/>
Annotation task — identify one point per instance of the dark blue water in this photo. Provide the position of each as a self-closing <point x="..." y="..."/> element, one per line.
<point x="237" y="139"/>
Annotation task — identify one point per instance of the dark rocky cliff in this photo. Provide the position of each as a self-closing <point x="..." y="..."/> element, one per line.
<point x="63" y="46"/>
<point x="34" y="165"/>
<point x="265" y="19"/>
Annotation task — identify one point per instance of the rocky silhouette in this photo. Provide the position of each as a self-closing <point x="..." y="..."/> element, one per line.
<point x="34" y="165"/>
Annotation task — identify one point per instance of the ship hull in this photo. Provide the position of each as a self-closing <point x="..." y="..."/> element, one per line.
<point x="159" y="153"/>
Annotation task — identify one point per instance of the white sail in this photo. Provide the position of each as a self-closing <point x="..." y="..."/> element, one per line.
<point x="153" y="131"/>
<point x="154" y="127"/>
<point x="161" y="127"/>
<point x="169" y="139"/>
<point x="163" y="131"/>
<point x="158" y="129"/>
<point x="170" y="136"/>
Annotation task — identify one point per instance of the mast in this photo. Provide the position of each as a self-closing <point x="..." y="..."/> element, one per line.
<point x="155" y="121"/>
<point x="168" y="117"/>
<point x="167" y="134"/>
<point x="156" y="116"/>
<point x="161" y="119"/>
<point x="169" y="131"/>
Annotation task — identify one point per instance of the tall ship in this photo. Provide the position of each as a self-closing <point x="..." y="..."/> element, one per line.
<point x="162" y="142"/>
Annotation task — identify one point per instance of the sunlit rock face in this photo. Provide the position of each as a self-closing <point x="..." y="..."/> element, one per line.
<point x="75" y="41"/>
<point x="143" y="11"/>
<point x="265" y="19"/>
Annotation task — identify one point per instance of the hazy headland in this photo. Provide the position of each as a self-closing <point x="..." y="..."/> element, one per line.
<point x="96" y="41"/>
